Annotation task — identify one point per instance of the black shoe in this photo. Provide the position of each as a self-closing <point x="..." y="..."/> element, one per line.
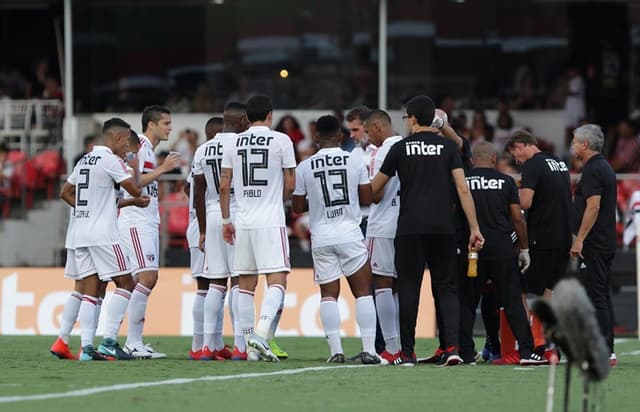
<point x="368" y="359"/>
<point x="533" y="360"/>
<point x="435" y="358"/>
<point x="404" y="360"/>
<point x="337" y="358"/>
<point x="450" y="359"/>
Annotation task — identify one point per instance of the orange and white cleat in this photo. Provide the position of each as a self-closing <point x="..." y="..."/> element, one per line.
<point x="61" y="350"/>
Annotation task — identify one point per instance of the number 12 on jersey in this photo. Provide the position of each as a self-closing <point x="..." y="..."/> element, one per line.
<point x="340" y="185"/>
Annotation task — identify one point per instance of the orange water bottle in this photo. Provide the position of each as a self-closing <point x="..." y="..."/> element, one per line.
<point x="472" y="270"/>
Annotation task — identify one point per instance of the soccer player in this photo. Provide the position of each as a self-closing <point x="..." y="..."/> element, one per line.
<point x="545" y="193"/>
<point x="498" y="207"/>
<point x="261" y="163"/>
<point x="337" y="183"/>
<point x="426" y="165"/>
<point x="218" y="254"/>
<point x="140" y="227"/>
<point x="381" y="230"/>
<point x="92" y="190"/>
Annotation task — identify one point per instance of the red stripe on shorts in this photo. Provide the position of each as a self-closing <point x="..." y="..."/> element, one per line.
<point x="135" y="240"/>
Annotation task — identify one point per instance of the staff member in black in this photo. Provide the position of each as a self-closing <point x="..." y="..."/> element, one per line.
<point x="426" y="165"/>
<point x="498" y="208"/>
<point x="595" y="241"/>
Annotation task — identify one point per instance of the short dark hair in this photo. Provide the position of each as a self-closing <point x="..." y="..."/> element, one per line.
<point x="379" y="115"/>
<point x="213" y="122"/>
<point x="328" y="127"/>
<point x="113" y="123"/>
<point x="258" y="107"/>
<point x="152" y="114"/>
<point x="133" y="138"/>
<point x="235" y="106"/>
<point x="358" y="113"/>
<point x="520" y="136"/>
<point x="422" y="108"/>
<point x="88" y="139"/>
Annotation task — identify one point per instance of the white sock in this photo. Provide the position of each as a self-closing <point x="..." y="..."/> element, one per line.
<point x="276" y="320"/>
<point x="246" y="313"/>
<point x="270" y="304"/>
<point x="198" y="317"/>
<point x="87" y="320"/>
<point x="330" y="317"/>
<point x="366" y="320"/>
<point x="396" y="299"/>
<point x="388" y="318"/>
<point x="212" y="303"/>
<point x="238" y="337"/>
<point x="115" y="312"/>
<point x="98" y="310"/>
<point x="136" y="312"/>
<point x="69" y="315"/>
<point x="218" y="342"/>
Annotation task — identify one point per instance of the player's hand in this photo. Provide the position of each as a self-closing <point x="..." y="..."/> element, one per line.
<point x="141" y="201"/>
<point x="440" y="119"/>
<point x="476" y="240"/>
<point x="229" y="233"/>
<point x="132" y="160"/>
<point x="576" y="248"/>
<point x="524" y="260"/>
<point x="201" y="242"/>
<point x="172" y="161"/>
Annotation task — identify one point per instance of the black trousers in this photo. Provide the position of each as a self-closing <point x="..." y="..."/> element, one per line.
<point x="439" y="252"/>
<point x="595" y="275"/>
<point x="506" y="277"/>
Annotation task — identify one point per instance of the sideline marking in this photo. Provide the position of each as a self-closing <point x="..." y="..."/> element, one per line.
<point x="178" y="381"/>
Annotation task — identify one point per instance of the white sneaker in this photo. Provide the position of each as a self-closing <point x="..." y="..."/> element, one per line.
<point x="154" y="354"/>
<point x="253" y="355"/>
<point x="137" y="351"/>
<point x="261" y="345"/>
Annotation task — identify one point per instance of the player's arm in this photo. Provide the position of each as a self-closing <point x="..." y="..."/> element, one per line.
<point x="588" y="220"/>
<point x="377" y="184"/>
<point x="68" y="194"/>
<point x="186" y="188"/>
<point x="449" y="133"/>
<point x="300" y="203"/>
<point x="526" y="198"/>
<point x="519" y="225"/>
<point x="289" y="183"/>
<point x="228" y="230"/>
<point x="365" y="194"/>
<point x="141" y="201"/>
<point x="199" y="190"/>
<point x="170" y="162"/>
<point x="466" y="200"/>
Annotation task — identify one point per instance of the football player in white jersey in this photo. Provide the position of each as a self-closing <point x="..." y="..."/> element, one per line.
<point x="336" y="184"/>
<point x="381" y="230"/>
<point x="92" y="190"/>
<point x="140" y="227"/>
<point x="207" y="318"/>
<point x="261" y="163"/>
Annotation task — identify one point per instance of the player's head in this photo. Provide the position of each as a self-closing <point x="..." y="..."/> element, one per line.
<point x="378" y="126"/>
<point x="587" y="139"/>
<point x="260" y="110"/>
<point x="213" y="127"/>
<point x="116" y="133"/>
<point x="156" y="122"/>
<point x="134" y="141"/>
<point x="328" y="131"/>
<point x="484" y="154"/>
<point x="235" y="117"/>
<point x="355" y="120"/>
<point x="420" y="111"/>
<point x="521" y="145"/>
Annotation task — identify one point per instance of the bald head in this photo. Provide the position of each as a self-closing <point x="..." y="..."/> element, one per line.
<point x="484" y="154"/>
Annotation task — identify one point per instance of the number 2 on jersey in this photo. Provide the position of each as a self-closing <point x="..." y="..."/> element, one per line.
<point x="249" y="168"/>
<point x="81" y="186"/>
<point x="341" y="186"/>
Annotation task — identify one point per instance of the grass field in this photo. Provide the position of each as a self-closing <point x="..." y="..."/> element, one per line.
<point x="27" y="368"/>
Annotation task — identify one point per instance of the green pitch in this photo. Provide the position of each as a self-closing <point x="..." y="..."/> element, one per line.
<point x="27" y="368"/>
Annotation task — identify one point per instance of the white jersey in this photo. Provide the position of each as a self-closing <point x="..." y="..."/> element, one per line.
<point x="68" y="240"/>
<point x="257" y="157"/>
<point x="383" y="216"/>
<point x="96" y="178"/>
<point x="330" y="179"/>
<point x="193" y="230"/>
<point x="367" y="156"/>
<point x="208" y="160"/>
<point x="142" y="216"/>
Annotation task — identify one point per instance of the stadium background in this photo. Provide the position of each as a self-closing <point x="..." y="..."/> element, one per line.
<point x="195" y="55"/>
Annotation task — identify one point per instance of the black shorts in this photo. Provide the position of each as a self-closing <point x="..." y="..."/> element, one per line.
<point x="548" y="266"/>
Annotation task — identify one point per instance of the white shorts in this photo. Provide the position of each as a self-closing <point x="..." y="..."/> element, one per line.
<point x="260" y="251"/>
<point x="142" y="245"/>
<point x="382" y="253"/>
<point x="331" y="262"/>
<point x="70" y="270"/>
<point x="108" y="261"/>
<point x="198" y="263"/>
<point x="219" y="253"/>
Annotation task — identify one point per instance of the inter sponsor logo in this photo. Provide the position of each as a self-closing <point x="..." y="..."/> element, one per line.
<point x="214" y="149"/>
<point x="253" y="140"/>
<point x="557" y="166"/>
<point x="89" y="160"/>
<point x="328" y="160"/>
<point x="423" y="149"/>
<point x="482" y="183"/>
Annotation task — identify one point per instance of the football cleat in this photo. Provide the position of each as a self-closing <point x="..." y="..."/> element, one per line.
<point x="253" y="355"/>
<point x="261" y="345"/>
<point x="137" y="351"/>
<point x="224" y="353"/>
<point x="533" y="360"/>
<point x="111" y="348"/>
<point x="450" y="358"/>
<point x="208" y="355"/>
<point x="61" y="350"/>
<point x="404" y="360"/>
<point x="337" y="358"/>
<point x="367" y="358"/>
<point x="512" y="358"/>
<point x="153" y="352"/>
<point x="195" y="355"/>
<point x="237" y="355"/>
<point x="389" y="357"/>
<point x="435" y="358"/>
<point x="277" y="350"/>
<point x="90" y="354"/>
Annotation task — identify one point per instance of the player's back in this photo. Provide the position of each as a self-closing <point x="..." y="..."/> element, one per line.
<point x="208" y="161"/>
<point x="330" y="179"/>
<point x="96" y="178"/>
<point x="258" y="157"/>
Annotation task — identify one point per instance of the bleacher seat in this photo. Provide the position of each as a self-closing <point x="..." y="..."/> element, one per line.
<point x="177" y="219"/>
